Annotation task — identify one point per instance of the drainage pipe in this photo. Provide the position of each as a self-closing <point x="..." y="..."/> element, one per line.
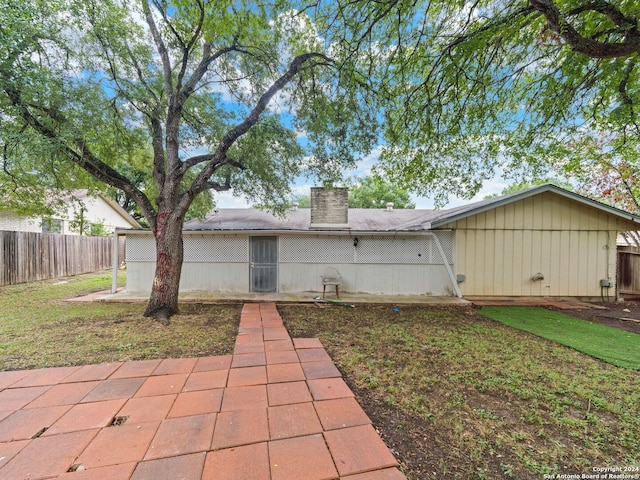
<point x="447" y="267"/>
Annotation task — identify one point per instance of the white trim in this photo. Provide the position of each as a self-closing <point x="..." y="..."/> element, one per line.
<point x="491" y="205"/>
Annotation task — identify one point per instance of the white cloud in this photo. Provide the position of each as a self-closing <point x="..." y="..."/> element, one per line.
<point x="364" y="166"/>
<point x="228" y="200"/>
<point x="301" y="190"/>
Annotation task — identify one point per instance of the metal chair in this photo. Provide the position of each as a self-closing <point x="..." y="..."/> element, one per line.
<point x="331" y="276"/>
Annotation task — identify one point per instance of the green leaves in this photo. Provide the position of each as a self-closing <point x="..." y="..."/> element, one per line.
<point x="471" y="90"/>
<point x="371" y="192"/>
<point x="123" y="93"/>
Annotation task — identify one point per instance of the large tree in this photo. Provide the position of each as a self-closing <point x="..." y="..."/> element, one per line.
<point x="219" y="90"/>
<point x="368" y="192"/>
<point x="486" y="87"/>
<point x="372" y="192"/>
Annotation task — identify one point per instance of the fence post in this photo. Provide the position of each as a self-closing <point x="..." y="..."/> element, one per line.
<point x="115" y="255"/>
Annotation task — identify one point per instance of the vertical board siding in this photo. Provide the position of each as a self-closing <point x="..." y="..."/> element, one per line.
<point x="571" y="244"/>
<point x="28" y="256"/>
<point x="503" y="262"/>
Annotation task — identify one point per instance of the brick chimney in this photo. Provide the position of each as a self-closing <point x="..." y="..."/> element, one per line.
<point x="329" y="208"/>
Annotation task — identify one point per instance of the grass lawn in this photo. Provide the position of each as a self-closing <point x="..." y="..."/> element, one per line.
<point x="39" y="328"/>
<point x="460" y="396"/>
<point x="454" y="394"/>
<point x="611" y="345"/>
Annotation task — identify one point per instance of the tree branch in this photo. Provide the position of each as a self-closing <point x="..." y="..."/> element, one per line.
<point x="82" y="156"/>
<point x="587" y="46"/>
<point x="188" y="48"/>
<point x="198" y="159"/>
<point x="220" y="155"/>
<point x="612" y="12"/>
<point x="162" y="48"/>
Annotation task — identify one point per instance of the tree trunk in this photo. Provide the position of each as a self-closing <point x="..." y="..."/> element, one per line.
<point x="163" y="301"/>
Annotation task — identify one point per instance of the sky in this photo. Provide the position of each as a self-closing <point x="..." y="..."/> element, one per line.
<point x="491" y="187"/>
<point x="302" y="187"/>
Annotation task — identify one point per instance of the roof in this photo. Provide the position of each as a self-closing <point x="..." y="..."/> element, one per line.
<point x="360" y="220"/>
<point x="458" y="213"/>
<point x="380" y="220"/>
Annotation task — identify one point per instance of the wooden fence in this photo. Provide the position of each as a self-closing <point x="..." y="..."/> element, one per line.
<point x="27" y="257"/>
<point x="628" y="281"/>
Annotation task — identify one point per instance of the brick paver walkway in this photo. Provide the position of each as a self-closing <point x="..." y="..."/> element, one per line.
<point x="277" y="409"/>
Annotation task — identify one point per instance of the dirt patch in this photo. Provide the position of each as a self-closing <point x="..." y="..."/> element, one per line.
<point x="622" y="315"/>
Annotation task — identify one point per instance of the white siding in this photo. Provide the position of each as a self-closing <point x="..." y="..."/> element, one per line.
<point x="11" y="222"/>
<point x="98" y="211"/>
<point x="391" y="265"/>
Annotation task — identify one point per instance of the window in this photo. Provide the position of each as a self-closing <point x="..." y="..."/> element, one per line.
<point x="51" y="225"/>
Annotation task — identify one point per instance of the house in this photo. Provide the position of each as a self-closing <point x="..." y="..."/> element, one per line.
<point x="85" y="214"/>
<point x="543" y="241"/>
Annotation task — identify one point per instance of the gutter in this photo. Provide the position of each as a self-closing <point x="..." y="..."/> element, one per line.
<point x="372" y="233"/>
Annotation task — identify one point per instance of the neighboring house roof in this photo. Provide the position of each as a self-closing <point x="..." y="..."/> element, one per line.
<point x="113" y="204"/>
<point x="377" y="220"/>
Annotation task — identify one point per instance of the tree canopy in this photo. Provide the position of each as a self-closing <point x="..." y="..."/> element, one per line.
<point x="371" y="192"/>
<point x="475" y="89"/>
<point x="223" y="94"/>
<point x="209" y="95"/>
<point x="368" y="192"/>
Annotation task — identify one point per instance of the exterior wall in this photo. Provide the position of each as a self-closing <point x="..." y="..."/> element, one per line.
<point x="98" y="211"/>
<point x="571" y="244"/>
<point x="382" y="265"/>
<point x="11" y="222"/>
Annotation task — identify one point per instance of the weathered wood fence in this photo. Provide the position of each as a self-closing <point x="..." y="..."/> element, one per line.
<point x="28" y="256"/>
<point x="628" y="281"/>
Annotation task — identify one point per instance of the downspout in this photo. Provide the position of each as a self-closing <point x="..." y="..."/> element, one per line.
<point x="114" y="275"/>
<point x="447" y="267"/>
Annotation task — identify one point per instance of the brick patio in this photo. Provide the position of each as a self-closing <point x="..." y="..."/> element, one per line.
<point x="277" y="409"/>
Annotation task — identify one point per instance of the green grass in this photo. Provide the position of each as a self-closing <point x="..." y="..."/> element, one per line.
<point x="460" y="396"/>
<point x="610" y="345"/>
<point x="39" y="327"/>
<point x="457" y="395"/>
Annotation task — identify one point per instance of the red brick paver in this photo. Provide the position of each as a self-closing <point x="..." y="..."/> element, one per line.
<point x="277" y="409"/>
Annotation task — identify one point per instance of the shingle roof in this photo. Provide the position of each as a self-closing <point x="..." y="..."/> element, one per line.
<point x="360" y="220"/>
<point x="378" y="220"/>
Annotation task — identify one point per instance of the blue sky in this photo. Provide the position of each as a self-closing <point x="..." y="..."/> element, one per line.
<point x="302" y="186"/>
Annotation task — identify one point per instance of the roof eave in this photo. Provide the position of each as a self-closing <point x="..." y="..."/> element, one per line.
<point x="530" y="193"/>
